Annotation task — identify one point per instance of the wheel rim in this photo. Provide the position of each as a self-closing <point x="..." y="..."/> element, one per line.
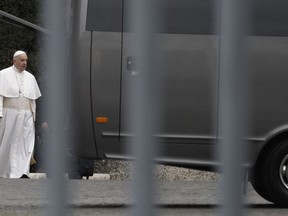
<point x="284" y="172"/>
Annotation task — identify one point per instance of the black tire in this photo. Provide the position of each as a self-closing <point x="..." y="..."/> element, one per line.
<point x="270" y="177"/>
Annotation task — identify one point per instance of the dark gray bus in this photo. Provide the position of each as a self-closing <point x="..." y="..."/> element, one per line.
<point x="189" y="45"/>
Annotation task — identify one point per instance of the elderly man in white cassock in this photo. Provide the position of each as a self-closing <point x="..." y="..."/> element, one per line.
<point x="18" y="93"/>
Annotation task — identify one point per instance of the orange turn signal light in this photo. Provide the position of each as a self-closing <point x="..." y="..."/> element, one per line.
<point x="101" y="120"/>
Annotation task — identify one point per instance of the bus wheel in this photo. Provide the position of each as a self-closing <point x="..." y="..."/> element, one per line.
<point x="270" y="177"/>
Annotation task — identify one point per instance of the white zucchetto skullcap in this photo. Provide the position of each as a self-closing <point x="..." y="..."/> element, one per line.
<point x="19" y="52"/>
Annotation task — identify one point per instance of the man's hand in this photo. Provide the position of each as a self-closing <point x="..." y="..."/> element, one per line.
<point x="45" y="126"/>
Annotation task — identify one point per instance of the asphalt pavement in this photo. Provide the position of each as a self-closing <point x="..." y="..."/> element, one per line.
<point x="106" y="197"/>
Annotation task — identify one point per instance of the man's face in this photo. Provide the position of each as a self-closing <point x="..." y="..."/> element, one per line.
<point x="20" y="62"/>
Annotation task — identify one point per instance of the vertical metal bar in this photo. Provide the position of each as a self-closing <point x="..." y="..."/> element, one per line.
<point x="232" y="103"/>
<point x="144" y="102"/>
<point x="55" y="93"/>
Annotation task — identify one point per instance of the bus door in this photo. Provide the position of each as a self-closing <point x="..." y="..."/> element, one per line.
<point x="188" y="50"/>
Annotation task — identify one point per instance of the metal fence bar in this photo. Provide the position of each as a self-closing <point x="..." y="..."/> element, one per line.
<point x="232" y="103"/>
<point x="144" y="102"/>
<point x="55" y="66"/>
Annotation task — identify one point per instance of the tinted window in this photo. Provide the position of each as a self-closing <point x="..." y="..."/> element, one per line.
<point x="104" y="15"/>
<point x="267" y="17"/>
<point x="180" y="16"/>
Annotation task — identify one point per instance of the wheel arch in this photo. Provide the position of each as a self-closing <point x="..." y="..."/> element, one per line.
<point x="271" y="140"/>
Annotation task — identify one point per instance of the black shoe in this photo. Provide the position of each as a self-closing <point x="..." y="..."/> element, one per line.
<point x="24" y="176"/>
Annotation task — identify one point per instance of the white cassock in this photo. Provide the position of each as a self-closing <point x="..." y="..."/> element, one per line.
<point x="18" y="92"/>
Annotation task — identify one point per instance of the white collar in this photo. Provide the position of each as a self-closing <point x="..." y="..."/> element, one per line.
<point x="18" y="71"/>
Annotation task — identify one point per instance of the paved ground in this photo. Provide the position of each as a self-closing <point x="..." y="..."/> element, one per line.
<point x="30" y="197"/>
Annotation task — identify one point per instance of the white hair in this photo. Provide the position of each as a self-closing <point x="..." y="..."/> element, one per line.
<point x="19" y="52"/>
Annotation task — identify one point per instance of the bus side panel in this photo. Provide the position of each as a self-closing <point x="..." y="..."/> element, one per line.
<point x="268" y="84"/>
